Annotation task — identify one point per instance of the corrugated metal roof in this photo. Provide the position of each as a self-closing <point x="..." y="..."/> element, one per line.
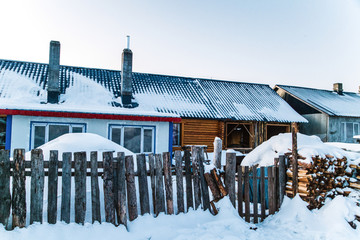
<point x="187" y="97"/>
<point x="329" y="102"/>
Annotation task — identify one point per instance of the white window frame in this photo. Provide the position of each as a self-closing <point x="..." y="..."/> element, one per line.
<point x="153" y="128"/>
<point x="344" y="136"/>
<point x="47" y="124"/>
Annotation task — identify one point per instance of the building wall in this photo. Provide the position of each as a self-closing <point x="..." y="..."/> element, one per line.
<point x="317" y="125"/>
<point x="21" y="129"/>
<point x="336" y="131"/>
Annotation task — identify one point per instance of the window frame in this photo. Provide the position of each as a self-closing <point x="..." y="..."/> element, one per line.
<point x="180" y="134"/>
<point x="34" y="124"/>
<point x="344" y="130"/>
<point x="142" y="127"/>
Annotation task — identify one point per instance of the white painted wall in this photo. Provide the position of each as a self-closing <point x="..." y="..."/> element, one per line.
<point x="21" y="127"/>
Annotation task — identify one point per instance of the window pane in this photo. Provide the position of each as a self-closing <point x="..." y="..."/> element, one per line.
<point x="77" y="129"/>
<point x="356" y="129"/>
<point x="2" y="132"/>
<point x="57" y="130"/>
<point x="39" y="136"/>
<point x="132" y="139"/>
<point x="176" y="134"/>
<point x="148" y="140"/>
<point x="349" y="131"/>
<point x="116" y="135"/>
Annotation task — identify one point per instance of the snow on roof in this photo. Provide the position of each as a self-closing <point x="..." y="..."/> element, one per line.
<point x="85" y="89"/>
<point x="329" y="102"/>
<point x="308" y="146"/>
<point x="79" y="142"/>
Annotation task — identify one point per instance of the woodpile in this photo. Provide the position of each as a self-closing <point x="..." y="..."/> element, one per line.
<point x="324" y="177"/>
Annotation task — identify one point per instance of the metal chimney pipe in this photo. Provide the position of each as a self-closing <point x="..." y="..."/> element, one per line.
<point x="53" y="85"/>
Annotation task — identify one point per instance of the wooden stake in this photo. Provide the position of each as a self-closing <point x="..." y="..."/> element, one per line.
<point x="5" y="197"/>
<point x="37" y="186"/>
<point x="294" y="130"/>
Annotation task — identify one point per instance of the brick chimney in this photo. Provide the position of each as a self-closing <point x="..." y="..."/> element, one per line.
<point x="126" y="75"/>
<point x="53" y="85"/>
<point x="338" y="88"/>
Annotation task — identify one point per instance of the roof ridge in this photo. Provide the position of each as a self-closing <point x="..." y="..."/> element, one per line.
<point x="309" y="88"/>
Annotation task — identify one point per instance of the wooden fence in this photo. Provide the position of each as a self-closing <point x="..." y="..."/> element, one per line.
<point x="120" y="191"/>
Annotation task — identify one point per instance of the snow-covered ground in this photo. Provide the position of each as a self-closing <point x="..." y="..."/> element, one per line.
<point x="354" y="147"/>
<point x="293" y="221"/>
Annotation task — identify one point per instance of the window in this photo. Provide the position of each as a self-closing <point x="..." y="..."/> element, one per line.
<point x="238" y="135"/>
<point x="348" y="130"/>
<point x="177" y="134"/>
<point x="2" y="132"/>
<point x="138" y="139"/>
<point x="45" y="132"/>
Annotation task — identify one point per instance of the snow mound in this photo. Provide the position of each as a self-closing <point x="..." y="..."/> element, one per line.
<point x="78" y="142"/>
<point x="308" y="146"/>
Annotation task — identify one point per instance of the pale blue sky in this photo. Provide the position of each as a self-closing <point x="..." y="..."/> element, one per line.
<point x="311" y="43"/>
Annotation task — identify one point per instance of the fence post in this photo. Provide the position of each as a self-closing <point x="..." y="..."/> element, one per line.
<point x="143" y="185"/>
<point x="5" y="197"/>
<point x="168" y="183"/>
<point x="159" y="186"/>
<point x="203" y="184"/>
<point x="66" y="187"/>
<point x="217" y="152"/>
<point x="230" y="175"/>
<point x="246" y="194"/>
<point x="95" y="191"/>
<point x="152" y="177"/>
<point x="80" y="186"/>
<point x="121" y="189"/>
<point x="240" y="191"/>
<point x="37" y="186"/>
<point x="131" y="189"/>
<point x="108" y="178"/>
<point x="282" y="178"/>
<point x="179" y="181"/>
<point x="52" y="187"/>
<point x="255" y="196"/>
<point x="195" y="168"/>
<point x="294" y="131"/>
<point x="189" y="192"/>
<point x="19" y="190"/>
<point x="271" y="189"/>
<point x="262" y="192"/>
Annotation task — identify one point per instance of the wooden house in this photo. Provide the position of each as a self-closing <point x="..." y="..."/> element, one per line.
<point x="143" y="112"/>
<point x="334" y="115"/>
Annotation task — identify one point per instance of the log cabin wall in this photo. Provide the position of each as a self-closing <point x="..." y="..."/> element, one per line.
<point x="200" y="132"/>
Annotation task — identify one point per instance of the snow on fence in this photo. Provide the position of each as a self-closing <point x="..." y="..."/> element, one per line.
<point x="258" y="192"/>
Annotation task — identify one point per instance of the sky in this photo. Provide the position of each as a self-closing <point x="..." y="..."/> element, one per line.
<point x="309" y="43"/>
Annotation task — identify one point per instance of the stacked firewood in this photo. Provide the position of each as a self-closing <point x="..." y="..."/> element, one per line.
<point x="324" y="177"/>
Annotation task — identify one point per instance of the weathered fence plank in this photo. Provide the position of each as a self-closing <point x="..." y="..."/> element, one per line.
<point x="5" y="197"/>
<point x="143" y="184"/>
<point x="159" y="186"/>
<point x="179" y="182"/>
<point x="240" y="191"/>
<point x="19" y="192"/>
<point x="294" y="130"/>
<point x="270" y="190"/>
<point x="246" y="194"/>
<point x="196" y="180"/>
<point x="66" y="187"/>
<point x="262" y="192"/>
<point x="276" y="185"/>
<point x="95" y="191"/>
<point x="203" y="184"/>
<point x="255" y="196"/>
<point x="217" y="152"/>
<point x="131" y="189"/>
<point x="152" y="178"/>
<point x="230" y="176"/>
<point x="189" y="193"/>
<point x="52" y="187"/>
<point x="80" y="186"/>
<point x="282" y="178"/>
<point x="108" y="187"/>
<point x="121" y="191"/>
<point x="168" y="183"/>
<point x="37" y="186"/>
